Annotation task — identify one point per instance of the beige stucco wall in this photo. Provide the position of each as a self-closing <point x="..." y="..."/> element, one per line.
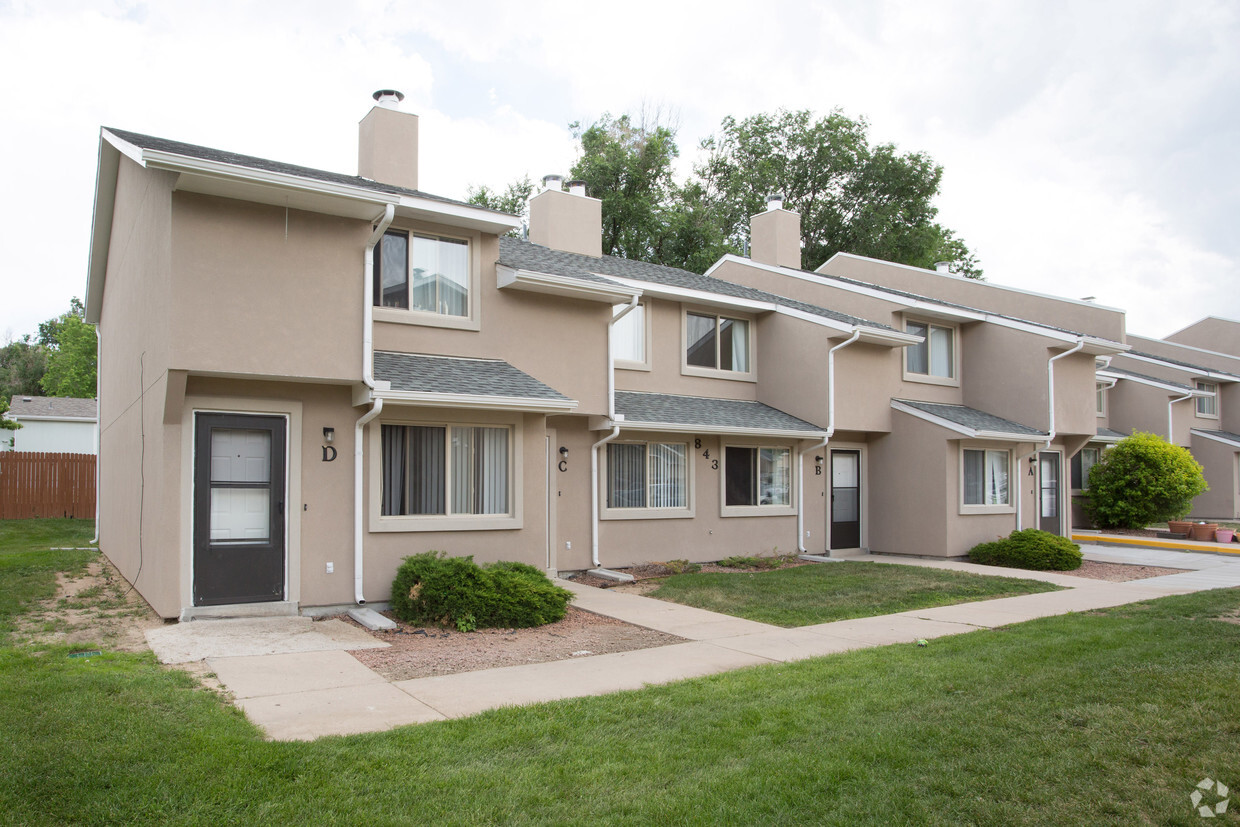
<point x="564" y="221"/>
<point x="1210" y="333"/>
<point x="1133" y="406"/>
<point x="1219" y="463"/>
<point x="909" y="489"/>
<point x="1191" y="354"/>
<point x="261" y="290"/>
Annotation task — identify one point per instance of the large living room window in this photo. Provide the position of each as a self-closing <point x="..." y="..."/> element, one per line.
<point x="717" y="343"/>
<point x="647" y="475"/>
<point x="935" y="357"/>
<point x="986" y="477"/>
<point x="757" y="476"/>
<point x="431" y="470"/>
<point x="422" y="272"/>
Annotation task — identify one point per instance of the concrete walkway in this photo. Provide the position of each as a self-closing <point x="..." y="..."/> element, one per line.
<point x="307" y="694"/>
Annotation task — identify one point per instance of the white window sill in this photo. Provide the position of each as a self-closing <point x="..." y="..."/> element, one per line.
<point x="646" y="514"/>
<point x="928" y="379"/>
<point x="443" y="523"/>
<point x="975" y="510"/>
<point x="424" y="318"/>
<point x="716" y="373"/>
<point x="757" y="511"/>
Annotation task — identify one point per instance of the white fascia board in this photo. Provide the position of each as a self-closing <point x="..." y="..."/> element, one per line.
<point x="563" y="285"/>
<point x="25" y="418"/>
<point x="1005" y="287"/>
<point x="1204" y="373"/>
<point x="1178" y="390"/>
<point x="891" y="338"/>
<point x="724" y="430"/>
<point x="459" y="215"/>
<point x="1215" y="437"/>
<point x="663" y="291"/>
<point x="964" y="430"/>
<point x="476" y="401"/>
<point x="1109" y="440"/>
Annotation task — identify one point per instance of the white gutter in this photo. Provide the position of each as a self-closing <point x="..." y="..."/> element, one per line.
<point x="1050" y="436"/>
<point x="368" y="370"/>
<point x="615" y="432"/>
<point x="1170" y="430"/>
<point x="830" y="432"/>
<point x="98" y="429"/>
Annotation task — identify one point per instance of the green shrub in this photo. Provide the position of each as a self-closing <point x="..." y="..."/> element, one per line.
<point x="681" y="567"/>
<point x="1029" y="549"/>
<point x="1142" y="480"/>
<point x="455" y="591"/>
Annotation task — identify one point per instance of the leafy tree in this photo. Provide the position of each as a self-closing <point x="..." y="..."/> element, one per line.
<point x="6" y="424"/>
<point x="1144" y="479"/>
<point x="513" y="200"/>
<point x="852" y="197"/>
<point x="71" y="361"/>
<point x="22" y="365"/>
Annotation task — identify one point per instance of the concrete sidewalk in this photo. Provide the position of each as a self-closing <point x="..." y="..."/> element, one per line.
<point x="308" y="694"/>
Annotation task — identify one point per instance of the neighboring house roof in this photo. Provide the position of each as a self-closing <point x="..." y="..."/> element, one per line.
<point x="526" y="255"/>
<point x="422" y="378"/>
<point x="1198" y="369"/>
<point x="1166" y="384"/>
<point x="966" y="420"/>
<point x="663" y="411"/>
<point x="1107" y="435"/>
<point x="1219" y="436"/>
<point x="251" y="162"/>
<point x="53" y="407"/>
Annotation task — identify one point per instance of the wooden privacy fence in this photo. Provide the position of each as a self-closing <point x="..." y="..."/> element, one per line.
<point x="34" y="484"/>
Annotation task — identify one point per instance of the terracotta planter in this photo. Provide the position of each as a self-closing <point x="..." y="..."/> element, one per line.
<point x="1224" y="535"/>
<point x="1204" y="532"/>
<point x="1179" y="526"/>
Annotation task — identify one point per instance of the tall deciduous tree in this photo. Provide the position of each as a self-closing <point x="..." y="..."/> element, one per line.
<point x="852" y="197"/>
<point x="22" y="365"/>
<point x="71" y="361"/>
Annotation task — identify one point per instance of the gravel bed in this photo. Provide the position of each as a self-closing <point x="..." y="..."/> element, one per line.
<point x="423" y="651"/>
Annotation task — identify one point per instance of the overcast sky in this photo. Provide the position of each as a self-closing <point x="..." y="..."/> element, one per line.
<point x="1090" y="149"/>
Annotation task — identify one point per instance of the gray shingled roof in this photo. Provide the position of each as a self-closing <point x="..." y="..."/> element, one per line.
<point x="1135" y="375"/>
<point x="1107" y="432"/>
<point x="663" y="408"/>
<point x="526" y="255"/>
<point x="59" y="406"/>
<point x="1227" y="435"/>
<point x="440" y="374"/>
<point x="251" y="162"/>
<point x="973" y="418"/>
<point x="1178" y="363"/>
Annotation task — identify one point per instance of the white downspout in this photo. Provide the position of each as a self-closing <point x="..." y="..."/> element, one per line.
<point x="1050" y="395"/>
<point x="98" y="427"/>
<point x="368" y="377"/>
<point x="1170" y="429"/>
<point x="830" y="433"/>
<point x="615" y="432"/>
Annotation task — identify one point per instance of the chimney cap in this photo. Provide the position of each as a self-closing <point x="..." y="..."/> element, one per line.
<point x="775" y="201"/>
<point x="943" y="266"/>
<point x="388" y="97"/>
<point x="577" y="186"/>
<point x="553" y="181"/>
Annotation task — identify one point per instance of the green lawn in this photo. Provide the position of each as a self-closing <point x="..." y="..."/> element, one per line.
<point x="836" y="591"/>
<point x="1102" y="718"/>
<point x="28" y="566"/>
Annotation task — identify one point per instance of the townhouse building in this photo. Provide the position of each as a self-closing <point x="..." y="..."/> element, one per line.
<point x="306" y="376"/>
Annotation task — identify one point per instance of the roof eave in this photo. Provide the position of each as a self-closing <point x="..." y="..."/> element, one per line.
<point x="532" y="281"/>
<point x="723" y="430"/>
<point x="965" y="430"/>
<point x="530" y="404"/>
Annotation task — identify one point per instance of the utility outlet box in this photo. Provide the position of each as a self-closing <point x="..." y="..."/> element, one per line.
<point x="331" y="568"/>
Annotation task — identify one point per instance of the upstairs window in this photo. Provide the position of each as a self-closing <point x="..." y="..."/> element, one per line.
<point x="628" y="336"/>
<point x="1207" y="405"/>
<point x="1100" y="399"/>
<point x="936" y="356"/>
<point x="716" y="342"/>
<point x="420" y="272"/>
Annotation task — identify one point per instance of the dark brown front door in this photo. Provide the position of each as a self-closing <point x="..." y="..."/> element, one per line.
<point x="845" y="499"/>
<point x="1050" y="503"/>
<point x="238" y="508"/>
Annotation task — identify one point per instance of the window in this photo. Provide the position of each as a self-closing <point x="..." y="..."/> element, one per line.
<point x="757" y="476"/>
<point x="442" y="470"/>
<point x="647" y="475"/>
<point x="986" y="477"/>
<point x="1084" y="460"/>
<point x="1207" y="405"/>
<point x="936" y="356"/>
<point x="1100" y="403"/>
<point x="628" y="336"/>
<point x="716" y="342"/>
<point x="419" y="272"/>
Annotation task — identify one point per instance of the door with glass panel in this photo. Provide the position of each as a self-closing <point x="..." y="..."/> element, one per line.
<point x="1049" y="501"/>
<point x="845" y="499"/>
<point x="239" y="495"/>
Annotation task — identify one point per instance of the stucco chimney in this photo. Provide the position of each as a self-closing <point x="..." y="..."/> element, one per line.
<point x="775" y="235"/>
<point x="569" y="221"/>
<point x="387" y="142"/>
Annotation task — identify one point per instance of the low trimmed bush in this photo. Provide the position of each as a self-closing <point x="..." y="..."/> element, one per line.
<point x="455" y="591"/>
<point x="1029" y="549"/>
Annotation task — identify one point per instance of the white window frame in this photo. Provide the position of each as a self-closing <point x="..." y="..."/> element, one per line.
<point x="1100" y="399"/>
<point x="380" y="522"/>
<point x="643" y="308"/>
<point x="609" y="512"/>
<point x="400" y="315"/>
<point x="1207" y="406"/>
<point x="726" y="510"/>
<point x="1013" y="483"/>
<point x="1098" y="449"/>
<point x="687" y="369"/>
<point x="929" y="378"/>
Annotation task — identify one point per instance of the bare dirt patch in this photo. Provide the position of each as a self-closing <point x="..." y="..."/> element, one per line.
<point x="95" y="610"/>
<point x="423" y="651"/>
<point x="1119" y="572"/>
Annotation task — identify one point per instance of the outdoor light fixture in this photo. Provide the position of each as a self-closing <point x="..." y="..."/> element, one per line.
<point x="818" y="460"/>
<point x="563" y="452"/>
<point x="328" y="435"/>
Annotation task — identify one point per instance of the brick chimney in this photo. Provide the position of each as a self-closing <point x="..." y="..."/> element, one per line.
<point x="570" y="221"/>
<point x="775" y="235"/>
<point x="387" y="142"/>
